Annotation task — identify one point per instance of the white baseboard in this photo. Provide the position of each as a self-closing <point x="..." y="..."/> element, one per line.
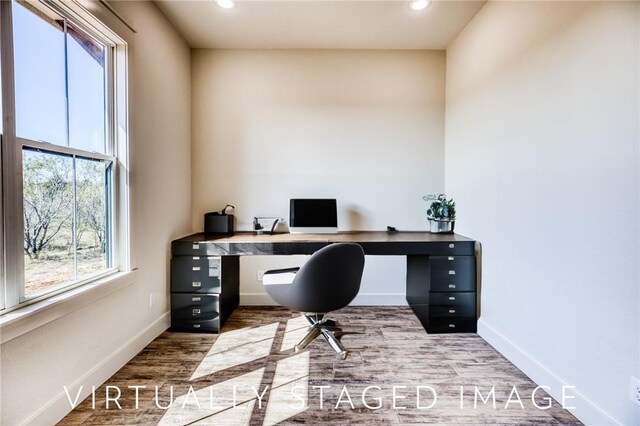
<point x="59" y="406"/>
<point x="586" y="411"/>
<point x="256" y="299"/>
<point x="371" y="299"/>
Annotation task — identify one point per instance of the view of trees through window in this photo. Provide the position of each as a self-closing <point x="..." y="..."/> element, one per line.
<point x="58" y="207"/>
<point x="60" y="87"/>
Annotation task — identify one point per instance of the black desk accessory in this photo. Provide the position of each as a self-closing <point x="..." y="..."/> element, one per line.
<point x="220" y="223"/>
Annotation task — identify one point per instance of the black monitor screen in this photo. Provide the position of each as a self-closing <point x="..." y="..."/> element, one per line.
<point x="313" y="213"/>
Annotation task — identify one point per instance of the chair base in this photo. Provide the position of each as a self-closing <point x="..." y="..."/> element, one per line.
<point x="328" y="329"/>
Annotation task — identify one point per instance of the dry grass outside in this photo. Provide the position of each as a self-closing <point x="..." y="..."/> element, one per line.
<point x="55" y="268"/>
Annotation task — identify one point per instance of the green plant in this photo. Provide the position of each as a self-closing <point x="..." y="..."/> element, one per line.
<point x="440" y="207"/>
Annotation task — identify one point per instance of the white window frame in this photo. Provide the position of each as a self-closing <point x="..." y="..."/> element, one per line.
<point x="116" y="133"/>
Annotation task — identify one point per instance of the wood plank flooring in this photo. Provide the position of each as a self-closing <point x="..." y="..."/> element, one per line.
<point x="213" y="377"/>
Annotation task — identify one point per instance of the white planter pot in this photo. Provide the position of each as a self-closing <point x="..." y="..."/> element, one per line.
<point x="441" y="226"/>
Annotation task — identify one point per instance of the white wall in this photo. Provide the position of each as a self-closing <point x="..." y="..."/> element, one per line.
<point x="542" y="146"/>
<point x="96" y="340"/>
<point x="365" y="127"/>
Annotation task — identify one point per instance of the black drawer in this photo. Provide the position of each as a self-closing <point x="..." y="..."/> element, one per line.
<point x="197" y="326"/>
<point x="453" y="273"/>
<point x="452" y="299"/>
<point x="458" y="248"/>
<point x="452" y="325"/>
<point x="194" y="306"/>
<point x="196" y="274"/>
<point x="461" y="310"/>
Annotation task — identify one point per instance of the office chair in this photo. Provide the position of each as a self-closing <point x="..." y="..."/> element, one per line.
<point x="328" y="281"/>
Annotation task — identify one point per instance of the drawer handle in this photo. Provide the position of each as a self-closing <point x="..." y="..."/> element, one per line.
<point x="196" y="325"/>
<point x="452" y="286"/>
<point x="452" y="311"/>
<point x="196" y="312"/>
<point x="452" y="326"/>
<point x="452" y="245"/>
<point x="196" y="257"/>
<point x="196" y="284"/>
<point x="196" y="299"/>
<point x="195" y="268"/>
<point x="450" y="258"/>
<point x="451" y="272"/>
<point x="195" y="247"/>
<point x="452" y="298"/>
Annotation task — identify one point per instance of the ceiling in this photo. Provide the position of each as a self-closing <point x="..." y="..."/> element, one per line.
<point x="327" y="24"/>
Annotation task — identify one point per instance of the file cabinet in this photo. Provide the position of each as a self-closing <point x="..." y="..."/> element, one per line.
<point x="204" y="290"/>
<point x="441" y="290"/>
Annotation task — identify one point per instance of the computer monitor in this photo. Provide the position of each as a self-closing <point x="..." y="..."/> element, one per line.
<point x="313" y="216"/>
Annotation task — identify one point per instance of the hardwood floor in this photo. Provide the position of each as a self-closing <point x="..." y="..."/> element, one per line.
<point x="255" y="350"/>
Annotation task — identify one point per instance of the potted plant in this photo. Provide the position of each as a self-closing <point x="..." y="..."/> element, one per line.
<point x="441" y="213"/>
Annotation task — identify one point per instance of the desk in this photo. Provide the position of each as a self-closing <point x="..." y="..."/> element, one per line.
<point x="441" y="273"/>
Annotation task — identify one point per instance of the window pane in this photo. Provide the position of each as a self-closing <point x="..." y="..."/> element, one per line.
<point x="39" y="76"/>
<point x="92" y="230"/>
<point x="48" y="221"/>
<point x="86" y="91"/>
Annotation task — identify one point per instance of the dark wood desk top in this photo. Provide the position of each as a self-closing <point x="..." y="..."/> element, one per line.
<point x="373" y="242"/>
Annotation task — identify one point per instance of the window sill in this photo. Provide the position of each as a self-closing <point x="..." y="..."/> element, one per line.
<point x="23" y="320"/>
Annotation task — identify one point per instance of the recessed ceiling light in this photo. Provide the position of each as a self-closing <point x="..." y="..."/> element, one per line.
<point x="226" y="4"/>
<point x="419" y="4"/>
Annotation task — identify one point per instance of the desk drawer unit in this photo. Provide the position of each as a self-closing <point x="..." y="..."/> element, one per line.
<point x="442" y="292"/>
<point x="453" y="273"/>
<point x="459" y="299"/>
<point x="196" y="274"/>
<point x="452" y="294"/>
<point x="198" y="326"/>
<point x="195" y="312"/>
<point x="454" y="311"/>
<point x="204" y="291"/>
<point x="195" y="306"/>
<point x="452" y="325"/>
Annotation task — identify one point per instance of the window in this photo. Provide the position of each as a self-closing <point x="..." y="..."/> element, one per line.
<point x="64" y="217"/>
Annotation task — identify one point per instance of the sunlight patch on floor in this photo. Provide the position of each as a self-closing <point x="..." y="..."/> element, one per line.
<point x="237" y="347"/>
<point x="236" y="416"/>
<point x="290" y="390"/>
<point x="294" y="332"/>
<point x="214" y="399"/>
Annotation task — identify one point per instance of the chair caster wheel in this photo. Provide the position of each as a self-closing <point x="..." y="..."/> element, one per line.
<point x="343" y="355"/>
